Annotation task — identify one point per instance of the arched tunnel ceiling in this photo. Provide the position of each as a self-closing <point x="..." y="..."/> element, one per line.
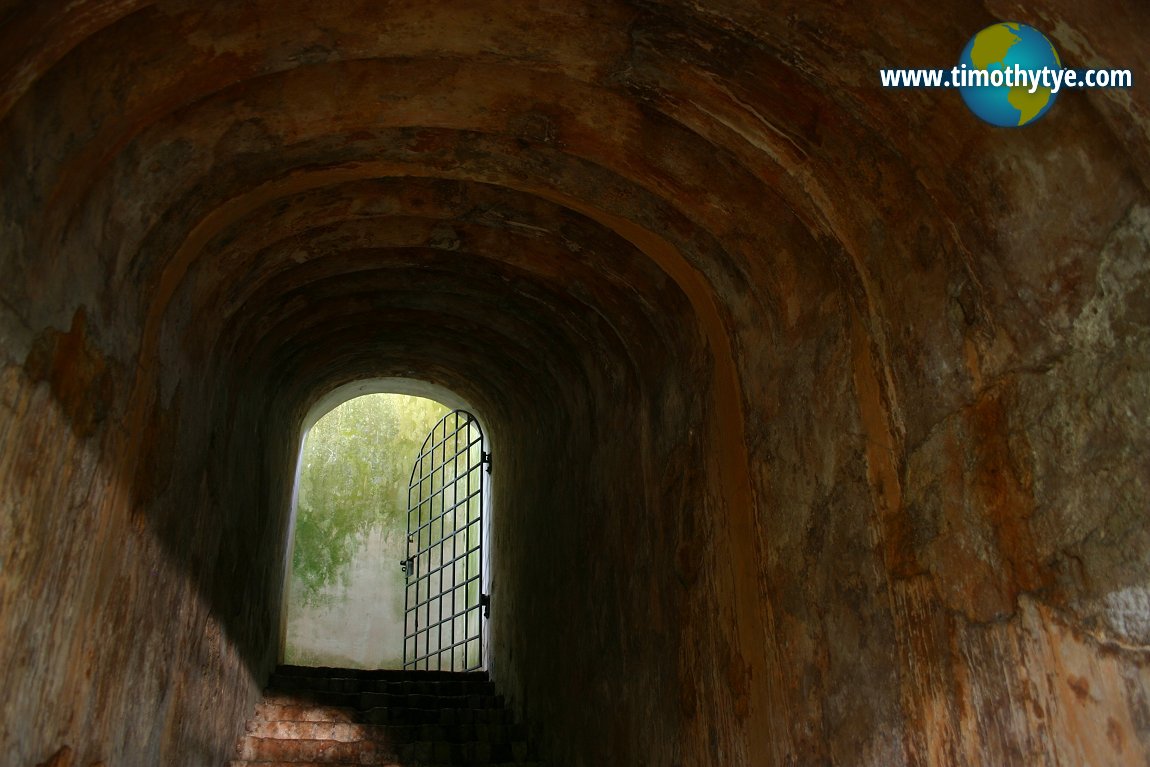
<point x="752" y="143"/>
<point x="493" y="271"/>
<point x="744" y="160"/>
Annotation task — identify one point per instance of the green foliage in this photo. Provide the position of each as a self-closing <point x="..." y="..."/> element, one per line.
<point x="356" y="464"/>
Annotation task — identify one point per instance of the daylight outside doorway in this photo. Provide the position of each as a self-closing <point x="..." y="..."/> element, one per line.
<point x="345" y="587"/>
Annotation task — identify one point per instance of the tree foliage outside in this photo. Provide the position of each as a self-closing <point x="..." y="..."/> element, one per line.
<point x="355" y="467"/>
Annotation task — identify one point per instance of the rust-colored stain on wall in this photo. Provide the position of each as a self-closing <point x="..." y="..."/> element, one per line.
<point x="79" y="376"/>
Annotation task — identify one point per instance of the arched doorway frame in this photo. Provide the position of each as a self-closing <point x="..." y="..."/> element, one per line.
<point x="329" y="402"/>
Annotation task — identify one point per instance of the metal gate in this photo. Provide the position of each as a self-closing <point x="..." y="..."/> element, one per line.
<point x="444" y="604"/>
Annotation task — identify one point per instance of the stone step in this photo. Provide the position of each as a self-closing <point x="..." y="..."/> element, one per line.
<point x="366" y="700"/>
<point x="246" y="763"/>
<point x="444" y="716"/>
<point x="471" y="753"/>
<point x="304" y="712"/>
<point x="321" y="751"/>
<point x="385" y="674"/>
<point x="369" y="752"/>
<point x="288" y="683"/>
<point x="385" y="733"/>
<point x="342" y="717"/>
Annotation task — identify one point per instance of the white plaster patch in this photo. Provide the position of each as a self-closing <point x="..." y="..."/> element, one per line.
<point x="1128" y="612"/>
<point x="1070" y="40"/>
<point x="1121" y="264"/>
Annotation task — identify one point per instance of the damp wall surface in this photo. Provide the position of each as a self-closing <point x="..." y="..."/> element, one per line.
<point x="821" y="413"/>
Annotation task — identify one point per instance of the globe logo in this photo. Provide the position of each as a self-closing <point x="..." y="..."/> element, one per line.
<point x="997" y="55"/>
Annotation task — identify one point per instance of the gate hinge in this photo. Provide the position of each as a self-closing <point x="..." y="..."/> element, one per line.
<point x="485" y="603"/>
<point x="487" y="461"/>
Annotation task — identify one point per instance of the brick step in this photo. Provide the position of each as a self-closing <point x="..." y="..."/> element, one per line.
<point x="368" y="752"/>
<point x="386" y="733"/>
<point x="366" y="700"/>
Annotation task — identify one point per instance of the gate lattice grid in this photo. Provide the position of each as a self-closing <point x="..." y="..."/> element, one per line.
<point x="444" y="603"/>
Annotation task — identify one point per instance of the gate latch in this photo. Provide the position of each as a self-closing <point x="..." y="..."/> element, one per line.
<point x="485" y="603"/>
<point x="408" y="567"/>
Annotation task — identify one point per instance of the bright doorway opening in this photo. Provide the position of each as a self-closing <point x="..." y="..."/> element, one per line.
<point x="345" y="589"/>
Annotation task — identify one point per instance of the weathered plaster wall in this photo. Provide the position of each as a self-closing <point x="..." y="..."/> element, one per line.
<point x="359" y="623"/>
<point x="823" y="409"/>
<point x="134" y="596"/>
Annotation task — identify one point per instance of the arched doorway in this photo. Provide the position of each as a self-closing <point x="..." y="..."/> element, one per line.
<point x="344" y="589"/>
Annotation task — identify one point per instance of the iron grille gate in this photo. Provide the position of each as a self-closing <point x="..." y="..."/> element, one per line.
<point x="444" y="565"/>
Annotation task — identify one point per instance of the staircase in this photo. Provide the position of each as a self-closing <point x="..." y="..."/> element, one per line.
<point x="334" y="717"/>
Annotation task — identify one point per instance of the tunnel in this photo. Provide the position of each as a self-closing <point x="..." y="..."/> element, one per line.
<point x="820" y="411"/>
